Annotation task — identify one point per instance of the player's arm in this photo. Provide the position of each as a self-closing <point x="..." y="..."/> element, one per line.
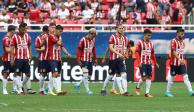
<point x="114" y="51"/>
<point x="78" y="52"/>
<point x="38" y="47"/>
<point x="66" y="52"/>
<point x="154" y="58"/>
<point x="138" y="54"/>
<point x="105" y="55"/>
<point x="94" y="55"/>
<point x="7" y="46"/>
<point x="13" y="44"/>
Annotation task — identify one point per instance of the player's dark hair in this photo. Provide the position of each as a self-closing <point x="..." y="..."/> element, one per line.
<point x="180" y="30"/>
<point x="59" y="27"/>
<point x="131" y="43"/>
<point x="45" y="28"/>
<point x="147" y="31"/>
<point x="11" y="28"/>
<point x="22" y="25"/>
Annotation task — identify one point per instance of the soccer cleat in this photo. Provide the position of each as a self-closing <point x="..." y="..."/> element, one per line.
<point x="127" y="94"/>
<point x="122" y="92"/>
<point x="113" y="91"/>
<point x="61" y="93"/>
<point x="103" y="92"/>
<point x="191" y="93"/>
<point x="5" y="92"/>
<point x="148" y="95"/>
<point x="168" y="94"/>
<point x="14" y="92"/>
<point x="41" y="93"/>
<point x="51" y="93"/>
<point x="30" y="91"/>
<point x="77" y="88"/>
<point x="137" y="91"/>
<point x="89" y="92"/>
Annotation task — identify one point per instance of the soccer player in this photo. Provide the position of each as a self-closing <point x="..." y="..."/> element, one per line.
<point x="52" y="42"/>
<point x="118" y="46"/>
<point x="145" y="56"/>
<point x="21" y="55"/>
<point x="6" y="57"/>
<point x="59" y="48"/>
<point x="42" y="63"/>
<point x="109" y="77"/>
<point x="85" y="51"/>
<point x="177" y="63"/>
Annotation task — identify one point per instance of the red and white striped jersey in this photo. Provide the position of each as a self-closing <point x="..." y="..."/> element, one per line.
<point x="38" y="42"/>
<point x="58" y="51"/>
<point x="150" y="11"/>
<point x="120" y="44"/>
<point x="21" y="46"/>
<point x="86" y="50"/>
<point x="51" y="43"/>
<point x="177" y="46"/>
<point x="145" y="52"/>
<point x="6" y="43"/>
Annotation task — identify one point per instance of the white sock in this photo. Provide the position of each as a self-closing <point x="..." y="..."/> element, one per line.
<point x="82" y="79"/>
<point x="114" y="84"/>
<point x="118" y="80"/>
<point x="139" y="83"/>
<point x="148" y="85"/>
<point x="4" y="83"/>
<point x="55" y="83"/>
<point x="170" y="83"/>
<point x="86" y="83"/>
<point x="28" y="84"/>
<point x="124" y="81"/>
<point x="19" y="83"/>
<point x="14" y="84"/>
<point x="108" y="78"/>
<point x="25" y="80"/>
<point x="50" y="84"/>
<point x="41" y="82"/>
<point x="187" y="83"/>
<point x="59" y="84"/>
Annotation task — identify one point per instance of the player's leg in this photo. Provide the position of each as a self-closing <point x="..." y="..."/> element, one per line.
<point x="26" y="78"/>
<point x="122" y="68"/>
<point x="148" y="80"/>
<point x="182" y="70"/>
<point x="113" y="90"/>
<point x="5" y="74"/>
<point x="18" y="73"/>
<point x="142" y="79"/>
<point x="42" y="74"/>
<point x="108" y="78"/>
<point x="173" y="71"/>
<point x="87" y="76"/>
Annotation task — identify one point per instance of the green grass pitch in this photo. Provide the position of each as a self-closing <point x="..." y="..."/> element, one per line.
<point x="74" y="102"/>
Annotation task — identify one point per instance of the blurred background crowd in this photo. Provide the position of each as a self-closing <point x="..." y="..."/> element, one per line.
<point x="95" y="11"/>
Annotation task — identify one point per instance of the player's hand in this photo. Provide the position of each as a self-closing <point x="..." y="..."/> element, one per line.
<point x="95" y="62"/>
<point x="140" y="65"/>
<point x="121" y="56"/>
<point x="182" y="62"/>
<point x="80" y="64"/>
<point x="103" y="60"/>
<point x="12" y="62"/>
<point x="157" y="65"/>
<point x="69" y="55"/>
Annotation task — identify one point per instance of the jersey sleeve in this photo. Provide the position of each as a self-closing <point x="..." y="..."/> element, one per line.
<point x="172" y="45"/>
<point x="111" y="40"/>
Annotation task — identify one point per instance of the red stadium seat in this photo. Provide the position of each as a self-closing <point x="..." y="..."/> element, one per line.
<point x="105" y="7"/>
<point x="20" y="15"/>
<point x="59" y="21"/>
<point x="111" y="0"/>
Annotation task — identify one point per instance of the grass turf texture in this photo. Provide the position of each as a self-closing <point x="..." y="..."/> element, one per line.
<point x="74" y="102"/>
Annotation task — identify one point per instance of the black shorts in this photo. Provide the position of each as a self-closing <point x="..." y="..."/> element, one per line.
<point x="180" y="70"/>
<point x="89" y="66"/>
<point x="43" y="66"/>
<point x="55" y="66"/>
<point x="146" y="70"/>
<point x="117" y="66"/>
<point x="22" y="66"/>
<point x="7" y="67"/>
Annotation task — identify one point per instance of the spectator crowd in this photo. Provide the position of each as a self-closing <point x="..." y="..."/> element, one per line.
<point x="94" y="11"/>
